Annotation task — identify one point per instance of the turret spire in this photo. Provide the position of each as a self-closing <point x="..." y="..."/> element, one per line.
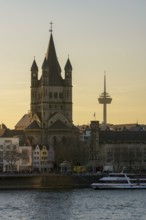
<point x="45" y="64"/>
<point x="34" y="66"/>
<point x="68" y="65"/>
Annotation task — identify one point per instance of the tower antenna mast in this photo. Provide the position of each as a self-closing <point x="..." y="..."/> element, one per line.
<point x="104" y="99"/>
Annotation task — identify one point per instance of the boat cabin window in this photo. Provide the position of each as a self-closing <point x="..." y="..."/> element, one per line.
<point x="138" y="181"/>
<point x="117" y="175"/>
<point x="113" y="181"/>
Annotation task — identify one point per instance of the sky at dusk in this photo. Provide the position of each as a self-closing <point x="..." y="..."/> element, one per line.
<point x="98" y="36"/>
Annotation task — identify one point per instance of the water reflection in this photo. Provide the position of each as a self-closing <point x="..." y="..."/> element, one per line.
<point x="73" y="204"/>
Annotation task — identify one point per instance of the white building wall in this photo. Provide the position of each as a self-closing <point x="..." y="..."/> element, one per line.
<point x="20" y="164"/>
<point x="36" y="158"/>
<point x="25" y="163"/>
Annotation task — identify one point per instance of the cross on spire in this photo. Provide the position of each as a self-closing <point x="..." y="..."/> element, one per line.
<point x="51" y="23"/>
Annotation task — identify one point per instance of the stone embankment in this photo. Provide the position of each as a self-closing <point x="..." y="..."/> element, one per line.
<point x="48" y="181"/>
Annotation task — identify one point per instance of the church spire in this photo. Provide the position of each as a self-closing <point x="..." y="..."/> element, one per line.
<point x="51" y="52"/>
<point x="51" y="23"/>
<point x="54" y="67"/>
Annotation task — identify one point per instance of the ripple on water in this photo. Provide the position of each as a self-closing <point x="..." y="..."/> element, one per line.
<point x="86" y="204"/>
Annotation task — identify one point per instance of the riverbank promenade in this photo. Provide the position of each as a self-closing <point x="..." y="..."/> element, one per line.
<point x="45" y="180"/>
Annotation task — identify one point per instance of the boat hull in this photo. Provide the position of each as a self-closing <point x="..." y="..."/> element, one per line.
<point x="117" y="186"/>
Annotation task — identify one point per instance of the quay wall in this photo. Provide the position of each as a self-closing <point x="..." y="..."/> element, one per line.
<point x="48" y="181"/>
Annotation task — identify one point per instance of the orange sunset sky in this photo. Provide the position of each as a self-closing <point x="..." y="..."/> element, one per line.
<point x="97" y="35"/>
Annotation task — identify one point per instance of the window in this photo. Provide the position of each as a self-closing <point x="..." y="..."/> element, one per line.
<point x="60" y="95"/>
<point x="55" y="95"/>
<point x="50" y="95"/>
<point x="8" y="141"/>
<point x="63" y="140"/>
<point x="54" y="140"/>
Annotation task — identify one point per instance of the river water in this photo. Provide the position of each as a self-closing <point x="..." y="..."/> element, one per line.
<point x="73" y="204"/>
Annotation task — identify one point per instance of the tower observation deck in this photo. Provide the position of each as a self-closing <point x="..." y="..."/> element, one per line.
<point x="104" y="99"/>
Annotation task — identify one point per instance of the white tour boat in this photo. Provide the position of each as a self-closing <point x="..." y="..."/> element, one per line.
<point x="120" y="181"/>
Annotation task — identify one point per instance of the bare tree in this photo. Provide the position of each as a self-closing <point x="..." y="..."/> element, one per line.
<point x="11" y="156"/>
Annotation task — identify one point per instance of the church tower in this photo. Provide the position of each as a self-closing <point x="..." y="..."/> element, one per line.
<point x="51" y="98"/>
<point x="51" y="93"/>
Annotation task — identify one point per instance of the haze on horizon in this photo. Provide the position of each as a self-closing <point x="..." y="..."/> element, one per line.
<point x="97" y="35"/>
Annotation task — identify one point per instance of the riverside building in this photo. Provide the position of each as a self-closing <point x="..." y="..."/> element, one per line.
<point x="120" y="148"/>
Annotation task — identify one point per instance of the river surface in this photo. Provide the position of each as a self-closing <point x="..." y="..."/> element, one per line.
<point x="73" y="204"/>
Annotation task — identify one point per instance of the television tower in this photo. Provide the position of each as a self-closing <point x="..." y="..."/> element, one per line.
<point x="104" y="99"/>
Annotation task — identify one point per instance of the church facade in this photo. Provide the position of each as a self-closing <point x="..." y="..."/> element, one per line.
<point x="50" y="118"/>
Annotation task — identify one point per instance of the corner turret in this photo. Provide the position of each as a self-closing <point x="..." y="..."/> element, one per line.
<point x="68" y="90"/>
<point x="45" y="72"/>
<point x="34" y="74"/>
<point x="68" y="73"/>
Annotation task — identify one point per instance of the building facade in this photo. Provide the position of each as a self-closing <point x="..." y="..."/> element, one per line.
<point x="13" y="157"/>
<point x="43" y="158"/>
<point x="50" y="118"/>
<point x="120" y="148"/>
<point x="123" y="149"/>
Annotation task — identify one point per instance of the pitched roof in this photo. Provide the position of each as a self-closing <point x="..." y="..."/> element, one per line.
<point x="68" y="65"/>
<point x="124" y="136"/>
<point x="55" y="78"/>
<point x="2" y="132"/>
<point x="40" y="146"/>
<point x="123" y="126"/>
<point x="45" y="64"/>
<point x="59" y="125"/>
<point x="33" y="125"/>
<point x="23" y="122"/>
<point x="15" y="133"/>
<point x="34" y="66"/>
<point x="3" y="126"/>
